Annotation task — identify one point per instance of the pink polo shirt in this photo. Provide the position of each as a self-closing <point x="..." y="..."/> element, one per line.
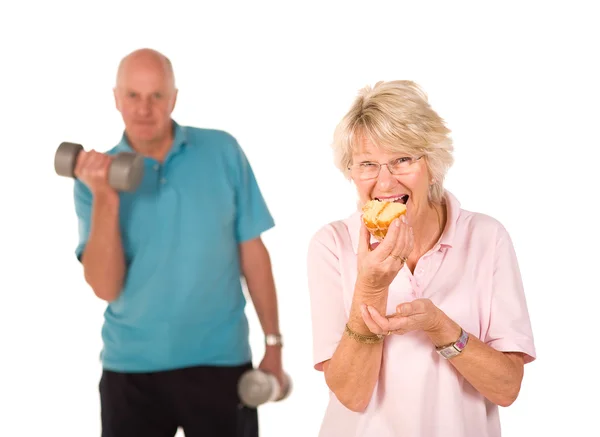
<point x="473" y="276"/>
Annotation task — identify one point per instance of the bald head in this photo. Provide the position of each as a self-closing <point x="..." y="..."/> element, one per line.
<point x="146" y="60"/>
<point x="145" y="95"/>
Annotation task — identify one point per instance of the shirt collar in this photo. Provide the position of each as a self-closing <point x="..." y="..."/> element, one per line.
<point x="446" y="240"/>
<point x="179" y="139"/>
<point x="452" y="215"/>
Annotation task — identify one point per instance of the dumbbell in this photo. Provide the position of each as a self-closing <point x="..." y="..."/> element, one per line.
<point x="256" y="387"/>
<point x="124" y="174"/>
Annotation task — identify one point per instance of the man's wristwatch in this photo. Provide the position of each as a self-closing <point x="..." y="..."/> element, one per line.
<point x="273" y="340"/>
<point x="453" y="349"/>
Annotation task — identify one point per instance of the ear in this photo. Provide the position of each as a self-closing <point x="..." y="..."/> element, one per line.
<point x="117" y="102"/>
<point x="176" y="92"/>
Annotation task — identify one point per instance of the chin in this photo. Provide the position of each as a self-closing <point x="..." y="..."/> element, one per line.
<point x="145" y="132"/>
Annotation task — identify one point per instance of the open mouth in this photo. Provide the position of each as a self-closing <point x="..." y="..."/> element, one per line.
<point x="400" y="199"/>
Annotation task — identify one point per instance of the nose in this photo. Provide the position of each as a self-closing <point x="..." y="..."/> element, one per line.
<point x="385" y="180"/>
<point x="145" y="107"/>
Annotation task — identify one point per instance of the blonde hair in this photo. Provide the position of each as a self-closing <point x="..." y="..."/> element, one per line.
<point x="396" y="116"/>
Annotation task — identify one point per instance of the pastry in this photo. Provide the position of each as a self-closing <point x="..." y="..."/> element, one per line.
<point x="379" y="215"/>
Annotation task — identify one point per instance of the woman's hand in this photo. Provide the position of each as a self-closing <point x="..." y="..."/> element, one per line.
<point x="378" y="266"/>
<point x="418" y="315"/>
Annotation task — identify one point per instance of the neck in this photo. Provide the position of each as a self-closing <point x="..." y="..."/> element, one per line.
<point x="156" y="149"/>
<point x="428" y="226"/>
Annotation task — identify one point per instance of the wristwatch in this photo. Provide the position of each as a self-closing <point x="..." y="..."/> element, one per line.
<point x="273" y="340"/>
<point x="453" y="349"/>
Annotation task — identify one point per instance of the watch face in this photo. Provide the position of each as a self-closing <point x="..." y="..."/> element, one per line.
<point x="449" y="352"/>
<point x="273" y="340"/>
<point x="455" y="349"/>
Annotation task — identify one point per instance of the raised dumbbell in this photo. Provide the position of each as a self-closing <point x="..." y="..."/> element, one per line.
<point x="256" y="387"/>
<point x="124" y="174"/>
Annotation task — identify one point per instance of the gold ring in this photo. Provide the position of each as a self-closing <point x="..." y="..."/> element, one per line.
<point x="403" y="258"/>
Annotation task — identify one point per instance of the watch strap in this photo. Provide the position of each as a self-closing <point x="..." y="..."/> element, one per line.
<point x="453" y="349"/>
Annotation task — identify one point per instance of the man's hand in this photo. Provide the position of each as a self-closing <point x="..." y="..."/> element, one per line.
<point x="272" y="363"/>
<point x="92" y="169"/>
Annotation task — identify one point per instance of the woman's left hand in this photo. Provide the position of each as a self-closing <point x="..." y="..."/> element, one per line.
<point x="418" y="315"/>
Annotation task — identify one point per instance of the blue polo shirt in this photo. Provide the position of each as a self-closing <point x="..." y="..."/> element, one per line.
<point x="182" y="302"/>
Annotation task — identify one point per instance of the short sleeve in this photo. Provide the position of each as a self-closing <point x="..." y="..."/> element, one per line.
<point x="510" y="326"/>
<point x="325" y="287"/>
<point x="83" y="209"/>
<point x="252" y="214"/>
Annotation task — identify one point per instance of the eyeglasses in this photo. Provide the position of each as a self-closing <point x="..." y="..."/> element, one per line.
<point x="370" y="170"/>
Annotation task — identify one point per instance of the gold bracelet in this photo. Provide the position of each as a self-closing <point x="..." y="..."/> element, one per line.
<point x="366" y="339"/>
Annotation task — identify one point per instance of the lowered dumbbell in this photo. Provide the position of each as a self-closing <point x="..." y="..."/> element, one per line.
<point x="124" y="174"/>
<point x="256" y="387"/>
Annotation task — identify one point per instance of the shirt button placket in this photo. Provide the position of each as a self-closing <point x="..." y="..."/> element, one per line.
<point x="418" y="278"/>
<point x="157" y="168"/>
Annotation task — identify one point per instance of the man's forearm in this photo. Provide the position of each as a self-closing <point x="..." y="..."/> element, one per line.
<point x="103" y="259"/>
<point x="257" y="271"/>
<point x="494" y="374"/>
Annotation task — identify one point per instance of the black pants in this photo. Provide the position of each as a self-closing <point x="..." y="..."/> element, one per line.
<point x="202" y="400"/>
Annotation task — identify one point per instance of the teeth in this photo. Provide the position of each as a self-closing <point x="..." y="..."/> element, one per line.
<point x="391" y="199"/>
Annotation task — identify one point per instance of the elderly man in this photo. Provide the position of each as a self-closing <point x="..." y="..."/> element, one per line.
<point x="168" y="260"/>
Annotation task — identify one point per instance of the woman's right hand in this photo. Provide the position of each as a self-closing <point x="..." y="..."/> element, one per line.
<point x="92" y="169"/>
<point x="377" y="267"/>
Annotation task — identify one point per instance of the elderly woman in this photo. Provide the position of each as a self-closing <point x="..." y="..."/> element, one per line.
<point x="426" y="332"/>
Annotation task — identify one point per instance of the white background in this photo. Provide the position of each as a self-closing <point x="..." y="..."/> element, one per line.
<point x="517" y="84"/>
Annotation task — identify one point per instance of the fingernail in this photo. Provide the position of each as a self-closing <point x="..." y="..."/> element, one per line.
<point x="403" y="219"/>
<point x="397" y="222"/>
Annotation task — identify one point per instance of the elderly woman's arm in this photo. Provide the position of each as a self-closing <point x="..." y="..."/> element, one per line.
<point x="351" y="366"/>
<point x="494" y="364"/>
<point x="496" y="375"/>
<point x="353" y="370"/>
